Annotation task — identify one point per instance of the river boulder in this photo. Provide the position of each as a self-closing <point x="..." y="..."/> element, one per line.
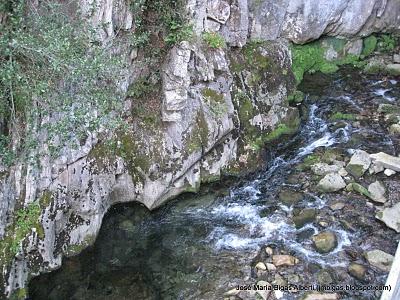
<point x="304" y="217"/>
<point x="359" y="163"/>
<point x="377" y="192"/>
<point x="332" y="182"/>
<point x="324" y="242"/>
<point x="357" y="271"/>
<point x="289" y="197"/>
<point x="322" y="169"/>
<point x="380" y="259"/>
<point x="391" y="217"/>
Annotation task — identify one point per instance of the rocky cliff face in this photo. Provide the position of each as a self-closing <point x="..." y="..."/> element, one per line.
<point x="209" y="114"/>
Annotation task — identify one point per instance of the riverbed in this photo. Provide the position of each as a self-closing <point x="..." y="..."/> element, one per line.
<point x="200" y="246"/>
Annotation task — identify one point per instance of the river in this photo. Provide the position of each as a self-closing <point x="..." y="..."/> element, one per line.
<point x="201" y="245"/>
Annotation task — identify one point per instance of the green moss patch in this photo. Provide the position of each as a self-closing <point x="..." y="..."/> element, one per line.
<point x="19" y="294"/>
<point x="341" y="116"/>
<point x="212" y="95"/>
<point x="359" y="189"/>
<point x="25" y="220"/>
<point x="369" y="45"/>
<point x="310" y="58"/>
<point x="214" y="40"/>
<point x="296" y="97"/>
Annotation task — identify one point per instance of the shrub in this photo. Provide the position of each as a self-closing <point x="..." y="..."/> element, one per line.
<point x="214" y="40"/>
<point x="52" y="67"/>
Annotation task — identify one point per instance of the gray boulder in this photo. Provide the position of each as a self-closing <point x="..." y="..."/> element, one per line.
<point x="332" y="182"/>
<point x="359" y="163"/>
<point x="322" y="169"/>
<point x="391" y="217"/>
<point x="380" y="259"/>
<point x="377" y="192"/>
<point x="387" y="161"/>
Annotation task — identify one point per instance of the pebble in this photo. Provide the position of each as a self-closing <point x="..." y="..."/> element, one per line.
<point x="389" y="172"/>
<point x="269" y="251"/>
<point x="261" y="266"/>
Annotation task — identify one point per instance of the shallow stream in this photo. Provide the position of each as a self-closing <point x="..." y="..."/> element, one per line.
<point x="201" y="245"/>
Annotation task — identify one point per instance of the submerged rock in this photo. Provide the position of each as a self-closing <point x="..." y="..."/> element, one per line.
<point x="332" y="182"/>
<point x="289" y="197"/>
<point x="284" y="260"/>
<point x="305" y="216"/>
<point x="387" y="161"/>
<point x="377" y="192"/>
<point x="380" y="259"/>
<point x="337" y="206"/>
<point x="324" y="277"/>
<point x="357" y="271"/>
<point x="391" y="217"/>
<point x="359" y="163"/>
<point x="325" y="242"/>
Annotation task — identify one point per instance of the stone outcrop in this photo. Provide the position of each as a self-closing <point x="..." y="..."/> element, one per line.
<point x="305" y="20"/>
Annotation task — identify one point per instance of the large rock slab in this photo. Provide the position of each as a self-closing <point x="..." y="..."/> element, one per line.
<point x="332" y="182"/>
<point x="386" y="160"/>
<point x="305" y="20"/>
<point x="380" y="259"/>
<point x="359" y="163"/>
<point x="391" y="217"/>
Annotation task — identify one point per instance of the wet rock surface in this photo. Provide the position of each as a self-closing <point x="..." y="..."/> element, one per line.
<point x="203" y="247"/>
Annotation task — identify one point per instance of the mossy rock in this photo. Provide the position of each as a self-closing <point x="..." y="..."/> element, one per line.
<point x="369" y="45"/>
<point x="304" y="217"/>
<point x="325" y="242"/>
<point x="388" y="108"/>
<point x="296" y="97"/>
<point x="355" y="170"/>
<point x="342" y="116"/>
<point x="19" y="294"/>
<point x="289" y="197"/>
<point x="356" y="187"/>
